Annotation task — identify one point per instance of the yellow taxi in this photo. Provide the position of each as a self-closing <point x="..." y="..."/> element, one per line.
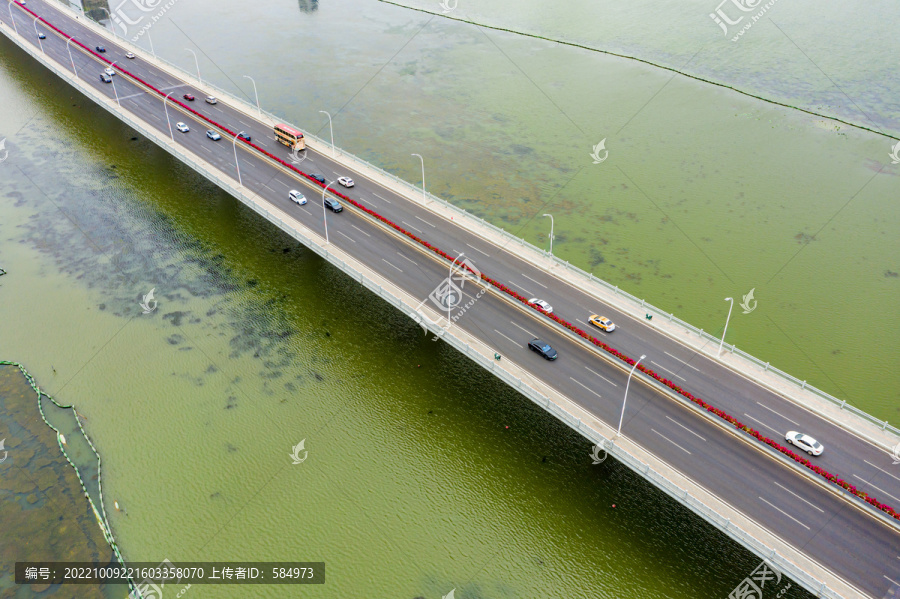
<point x="602" y="322"/>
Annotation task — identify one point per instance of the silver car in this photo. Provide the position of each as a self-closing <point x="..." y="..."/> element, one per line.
<point x="541" y="304"/>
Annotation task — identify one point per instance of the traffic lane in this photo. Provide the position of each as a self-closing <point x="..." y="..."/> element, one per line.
<point x="834" y="462"/>
<point x="753" y="483"/>
<point x="162" y="80"/>
<point x="818" y="524"/>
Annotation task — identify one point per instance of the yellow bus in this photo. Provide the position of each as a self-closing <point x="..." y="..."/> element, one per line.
<point x="290" y="137"/>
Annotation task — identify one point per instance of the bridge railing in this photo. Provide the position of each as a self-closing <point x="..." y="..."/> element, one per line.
<point x="477" y="351"/>
<point x="628" y="302"/>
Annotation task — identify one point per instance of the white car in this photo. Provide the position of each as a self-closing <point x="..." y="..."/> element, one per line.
<point x="182" y="127"/>
<point x="211" y="100"/>
<point x="109" y="71"/>
<point x="541" y="304"/>
<point x="804" y="442"/>
<point x="129" y="55"/>
<point x="213" y="135"/>
<point x="297" y="197"/>
<point x="346" y="181"/>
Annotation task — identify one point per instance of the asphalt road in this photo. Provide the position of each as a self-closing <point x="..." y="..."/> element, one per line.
<point x="861" y="550"/>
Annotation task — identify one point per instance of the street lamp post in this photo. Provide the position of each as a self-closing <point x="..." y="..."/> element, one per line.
<point x="12" y="18"/>
<point x="41" y="43"/>
<point x="113" y="79"/>
<point x="238" y="166"/>
<point x="624" y="399"/>
<point x="325" y="212"/>
<point x="166" y="106"/>
<point x="196" y="62"/>
<point x="551" y="232"/>
<point x="255" y="93"/>
<point x="424" y="199"/>
<point x="112" y="25"/>
<point x="727" y="299"/>
<point x="330" y="128"/>
<point x="70" y="55"/>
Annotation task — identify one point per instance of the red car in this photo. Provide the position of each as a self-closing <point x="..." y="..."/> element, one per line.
<point x="188" y="97"/>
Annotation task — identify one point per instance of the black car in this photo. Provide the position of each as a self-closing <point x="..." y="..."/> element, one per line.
<point x="101" y="49"/>
<point x="543" y="348"/>
<point x="243" y="135"/>
<point x="105" y="78"/>
<point x="333" y="205"/>
<point x="318" y="178"/>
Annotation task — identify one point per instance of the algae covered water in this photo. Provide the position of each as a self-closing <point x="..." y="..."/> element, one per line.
<point x="413" y="485"/>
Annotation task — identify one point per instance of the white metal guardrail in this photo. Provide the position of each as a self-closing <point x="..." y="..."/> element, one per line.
<point x="629" y="303"/>
<point x="482" y="358"/>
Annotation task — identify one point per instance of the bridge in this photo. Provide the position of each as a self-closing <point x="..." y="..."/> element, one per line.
<point x="705" y="424"/>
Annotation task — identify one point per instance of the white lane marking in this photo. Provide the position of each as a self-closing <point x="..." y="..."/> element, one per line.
<point x="885" y="471"/>
<point x="524" y="329"/>
<point x="410" y="226"/>
<point x="671" y="441"/>
<point x="158" y="118"/>
<point x="893" y="581"/>
<point x="682" y="361"/>
<point x="360" y="230"/>
<point x="667" y="370"/>
<point x="424" y="221"/>
<point x="686" y="428"/>
<point x="788" y="515"/>
<point x="800" y="498"/>
<point x="389" y="264"/>
<point x="530" y="279"/>
<point x="281" y="182"/>
<point x="586" y="387"/>
<point x="514" y="284"/>
<point x="243" y="123"/>
<point x="507" y="338"/>
<point x="205" y="148"/>
<point x="581" y="321"/>
<point x="601" y="376"/>
<point x="882" y="491"/>
<point x="381" y="198"/>
<point x="406" y="258"/>
<point x="762" y="423"/>
<point x="477" y="250"/>
<point x="774" y="412"/>
<point x="347" y="236"/>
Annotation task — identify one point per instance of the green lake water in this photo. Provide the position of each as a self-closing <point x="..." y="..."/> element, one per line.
<point x="413" y="484"/>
